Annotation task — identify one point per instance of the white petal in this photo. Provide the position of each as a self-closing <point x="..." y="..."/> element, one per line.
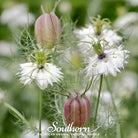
<point x="48" y="75"/>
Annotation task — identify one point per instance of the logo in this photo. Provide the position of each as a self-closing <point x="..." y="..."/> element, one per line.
<point x="69" y="128"/>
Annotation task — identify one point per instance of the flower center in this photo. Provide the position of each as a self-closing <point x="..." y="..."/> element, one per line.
<point x="98" y="23"/>
<point x="42" y="67"/>
<point x="102" y="56"/>
<point x="98" y="48"/>
<point x="40" y="58"/>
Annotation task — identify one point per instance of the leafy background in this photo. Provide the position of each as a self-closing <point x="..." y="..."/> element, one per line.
<point x="25" y="98"/>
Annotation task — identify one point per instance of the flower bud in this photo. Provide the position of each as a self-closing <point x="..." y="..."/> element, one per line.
<point x="48" y="30"/>
<point x="77" y="110"/>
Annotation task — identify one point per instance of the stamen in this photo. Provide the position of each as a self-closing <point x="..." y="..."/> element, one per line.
<point x="98" y="33"/>
<point x="42" y="67"/>
<point x="102" y="56"/>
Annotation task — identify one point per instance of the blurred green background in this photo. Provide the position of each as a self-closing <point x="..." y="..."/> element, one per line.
<point x="14" y="14"/>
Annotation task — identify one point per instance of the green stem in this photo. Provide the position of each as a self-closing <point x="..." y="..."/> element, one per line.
<point x="63" y="88"/>
<point x="56" y="4"/>
<point x="77" y="80"/>
<point x="88" y="86"/>
<point x="118" y="127"/>
<point x="97" y="105"/>
<point x="40" y="112"/>
<point x="42" y="9"/>
<point x="60" y="93"/>
<point x="17" y="113"/>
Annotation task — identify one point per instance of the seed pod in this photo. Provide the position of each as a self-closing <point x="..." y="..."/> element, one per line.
<point x="48" y="30"/>
<point x="77" y="110"/>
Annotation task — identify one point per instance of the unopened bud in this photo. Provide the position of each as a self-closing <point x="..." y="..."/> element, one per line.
<point x="48" y="30"/>
<point x="77" y="110"/>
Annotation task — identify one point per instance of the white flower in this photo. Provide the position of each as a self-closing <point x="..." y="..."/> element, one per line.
<point x="7" y="49"/>
<point x="111" y="37"/>
<point x="133" y="2"/>
<point x="65" y="7"/>
<point x="44" y="76"/>
<point x="128" y="24"/>
<point x="17" y="16"/>
<point x="44" y="127"/>
<point x="5" y="74"/>
<point x="124" y="20"/>
<point x="106" y="97"/>
<point x="106" y="116"/>
<point x="87" y="35"/>
<point x="111" y="63"/>
<point x="128" y="83"/>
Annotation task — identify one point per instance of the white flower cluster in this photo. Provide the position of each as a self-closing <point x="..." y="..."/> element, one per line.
<point x="111" y="57"/>
<point x="100" y="46"/>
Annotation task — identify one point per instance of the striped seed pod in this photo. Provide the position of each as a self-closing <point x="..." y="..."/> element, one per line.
<point x="47" y="30"/>
<point x="77" y="110"/>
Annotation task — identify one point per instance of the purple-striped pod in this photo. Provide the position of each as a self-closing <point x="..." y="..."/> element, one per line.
<point x="48" y="30"/>
<point x="77" y="110"/>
